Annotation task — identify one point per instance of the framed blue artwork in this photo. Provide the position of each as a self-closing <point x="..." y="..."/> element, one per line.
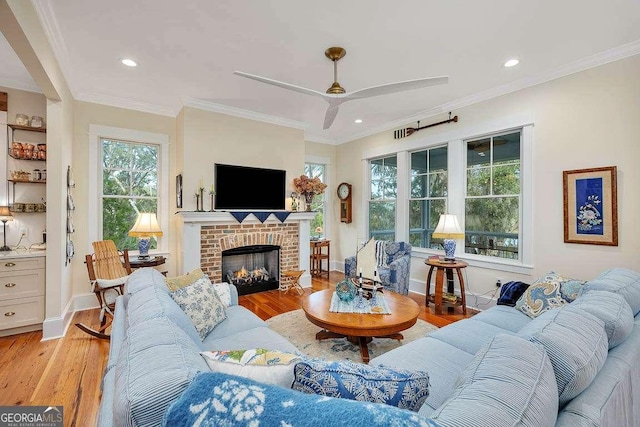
<point x="591" y="206"/>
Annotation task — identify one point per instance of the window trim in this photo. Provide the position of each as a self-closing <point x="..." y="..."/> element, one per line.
<point x="96" y="133"/>
<point x="328" y="193"/>
<point x="454" y="140"/>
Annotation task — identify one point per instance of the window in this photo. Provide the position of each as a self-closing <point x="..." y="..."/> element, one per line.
<point x="383" y="175"/>
<point x="484" y="179"/>
<point x="428" y="195"/>
<point x="318" y="205"/>
<point x="128" y="173"/>
<point x="129" y="187"/>
<point x="492" y="203"/>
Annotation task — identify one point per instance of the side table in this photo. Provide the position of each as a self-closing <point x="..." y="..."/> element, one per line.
<point x="441" y="268"/>
<point x="294" y="276"/>
<point x="135" y="262"/>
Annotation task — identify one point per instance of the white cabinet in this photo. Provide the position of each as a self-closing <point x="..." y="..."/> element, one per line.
<point x="22" y="290"/>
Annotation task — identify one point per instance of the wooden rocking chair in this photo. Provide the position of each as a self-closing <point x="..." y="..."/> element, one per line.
<point x="108" y="271"/>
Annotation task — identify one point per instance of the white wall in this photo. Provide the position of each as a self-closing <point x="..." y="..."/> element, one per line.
<point x="585" y="120"/>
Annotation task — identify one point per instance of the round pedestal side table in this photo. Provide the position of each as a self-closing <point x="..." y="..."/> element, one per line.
<point x="438" y="297"/>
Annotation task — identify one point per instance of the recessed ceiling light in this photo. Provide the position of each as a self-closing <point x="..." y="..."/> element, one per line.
<point x="511" y="63"/>
<point x="358" y="121"/>
<point x="129" y="62"/>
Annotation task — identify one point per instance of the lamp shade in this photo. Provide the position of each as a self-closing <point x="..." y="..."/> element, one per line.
<point x="448" y="228"/>
<point x="5" y="214"/>
<point x="146" y="226"/>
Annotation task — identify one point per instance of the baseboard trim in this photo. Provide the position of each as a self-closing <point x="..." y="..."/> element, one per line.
<point x="56" y="327"/>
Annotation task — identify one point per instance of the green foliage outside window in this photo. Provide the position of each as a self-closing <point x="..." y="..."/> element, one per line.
<point x="129" y="187"/>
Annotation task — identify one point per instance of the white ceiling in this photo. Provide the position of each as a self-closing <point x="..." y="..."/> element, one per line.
<point x="188" y="51"/>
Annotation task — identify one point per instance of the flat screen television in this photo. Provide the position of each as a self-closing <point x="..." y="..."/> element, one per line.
<point x="248" y="188"/>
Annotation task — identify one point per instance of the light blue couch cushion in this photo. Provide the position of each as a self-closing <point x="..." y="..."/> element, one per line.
<point x="612" y="309"/>
<point x="510" y="382"/>
<point x="260" y="337"/>
<point x="156" y="363"/>
<point x="576" y="343"/>
<point x="620" y="281"/>
<point x="143" y="278"/>
<point x="441" y="360"/>
<point x="217" y="399"/>
<point x="504" y="317"/>
<point x="468" y="334"/>
<point x="153" y="301"/>
<point x="238" y="319"/>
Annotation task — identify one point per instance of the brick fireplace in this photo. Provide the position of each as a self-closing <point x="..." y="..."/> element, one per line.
<point x="206" y="234"/>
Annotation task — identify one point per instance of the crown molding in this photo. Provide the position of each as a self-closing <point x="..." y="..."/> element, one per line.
<point x="319" y="139"/>
<point x="245" y="114"/>
<point x="128" y="104"/>
<point x="583" y="64"/>
<point x="51" y="29"/>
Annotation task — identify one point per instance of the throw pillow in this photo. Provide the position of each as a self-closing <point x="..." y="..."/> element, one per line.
<point x="403" y="388"/>
<point x="200" y="302"/>
<point x="217" y="399"/>
<point x="511" y="292"/>
<point x="550" y="291"/>
<point x="266" y="366"/>
<point x="195" y="275"/>
<point x="223" y="292"/>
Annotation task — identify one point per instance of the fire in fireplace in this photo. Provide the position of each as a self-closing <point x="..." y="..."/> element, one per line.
<point x="252" y="268"/>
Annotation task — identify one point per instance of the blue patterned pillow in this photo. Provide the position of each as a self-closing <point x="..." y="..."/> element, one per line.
<point x="403" y="388"/>
<point x="217" y="399"/>
<point x="201" y="303"/>
<point x="550" y="291"/>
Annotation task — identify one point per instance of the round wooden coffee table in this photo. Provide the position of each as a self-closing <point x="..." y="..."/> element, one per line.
<point x="361" y="328"/>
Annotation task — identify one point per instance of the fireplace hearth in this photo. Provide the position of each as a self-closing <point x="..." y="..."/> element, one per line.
<point x="253" y="268"/>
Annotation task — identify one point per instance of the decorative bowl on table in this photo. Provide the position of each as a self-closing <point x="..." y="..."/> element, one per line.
<point x="346" y="290"/>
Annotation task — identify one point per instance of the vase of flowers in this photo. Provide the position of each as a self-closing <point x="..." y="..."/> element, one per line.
<point x="308" y="188"/>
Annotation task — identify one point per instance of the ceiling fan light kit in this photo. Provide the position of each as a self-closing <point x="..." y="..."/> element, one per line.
<point x="403" y="133"/>
<point x="337" y="95"/>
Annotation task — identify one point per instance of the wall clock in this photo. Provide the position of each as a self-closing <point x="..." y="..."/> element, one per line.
<point x="345" y="195"/>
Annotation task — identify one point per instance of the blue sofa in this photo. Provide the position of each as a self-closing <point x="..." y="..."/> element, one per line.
<point x="578" y="365"/>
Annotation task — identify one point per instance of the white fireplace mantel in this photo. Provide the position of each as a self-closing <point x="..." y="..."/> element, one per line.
<point x="190" y="224"/>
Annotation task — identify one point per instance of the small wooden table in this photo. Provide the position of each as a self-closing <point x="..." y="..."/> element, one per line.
<point x="361" y="328"/>
<point x="318" y="255"/>
<point x="294" y="276"/>
<point x="441" y="267"/>
<point x="136" y="262"/>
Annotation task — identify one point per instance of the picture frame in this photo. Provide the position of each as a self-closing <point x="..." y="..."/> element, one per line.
<point x="179" y="191"/>
<point x="591" y="206"/>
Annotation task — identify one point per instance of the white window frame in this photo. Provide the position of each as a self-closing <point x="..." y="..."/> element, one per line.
<point x="457" y="171"/>
<point x="96" y="134"/>
<point x="327" y="200"/>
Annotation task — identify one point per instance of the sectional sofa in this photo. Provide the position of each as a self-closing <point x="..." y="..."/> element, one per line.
<point x="578" y="365"/>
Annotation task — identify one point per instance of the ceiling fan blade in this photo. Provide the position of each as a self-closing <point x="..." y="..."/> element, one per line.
<point x="281" y="84"/>
<point x="330" y="115"/>
<point x="397" y="87"/>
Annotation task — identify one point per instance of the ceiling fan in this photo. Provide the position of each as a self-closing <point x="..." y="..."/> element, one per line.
<point x="337" y="95"/>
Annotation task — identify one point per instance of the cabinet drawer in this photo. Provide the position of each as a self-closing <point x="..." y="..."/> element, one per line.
<point x="23" y="312"/>
<point x="17" y="264"/>
<point x="21" y="284"/>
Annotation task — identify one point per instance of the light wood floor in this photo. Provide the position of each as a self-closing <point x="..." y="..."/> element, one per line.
<point x="67" y="371"/>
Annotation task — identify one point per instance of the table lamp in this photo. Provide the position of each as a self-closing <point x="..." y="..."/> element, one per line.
<point x="5" y="215"/>
<point x="146" y="226"/>
<point x="448" y="229"/>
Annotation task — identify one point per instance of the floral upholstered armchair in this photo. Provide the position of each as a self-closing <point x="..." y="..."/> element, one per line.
<point x="393" y="261"/>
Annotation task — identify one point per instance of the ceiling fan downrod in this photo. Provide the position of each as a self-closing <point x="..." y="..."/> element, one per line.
<point x="402" y="133"/>
<point x="335" y="54"/>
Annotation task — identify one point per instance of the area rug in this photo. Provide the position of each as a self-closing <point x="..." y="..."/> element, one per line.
<point x="295" y="327"/>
